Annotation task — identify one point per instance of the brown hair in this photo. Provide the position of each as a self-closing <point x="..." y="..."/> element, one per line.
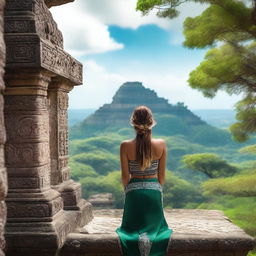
<point x="142" y="120"/>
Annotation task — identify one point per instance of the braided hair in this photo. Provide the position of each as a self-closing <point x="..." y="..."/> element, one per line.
<point x="142" y="121"/>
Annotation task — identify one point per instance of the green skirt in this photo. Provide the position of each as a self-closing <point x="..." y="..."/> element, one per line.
<point x="144" y="231"/>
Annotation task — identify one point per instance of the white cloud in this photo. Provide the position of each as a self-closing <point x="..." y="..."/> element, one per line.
<point x="120" y="12"/>
<point x="84" y="23"/>
<point x="98" y="88"/>
<point x="83" y="33"/>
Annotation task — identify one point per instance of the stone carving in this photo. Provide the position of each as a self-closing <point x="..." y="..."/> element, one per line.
<point x="25" y="209"/>
<point x="63" y="143"/>
<point x="20" y="25"/>
<point x="2" y="155"/>
<point x="29" y="127"/>
<point x="65" y="174"/>
<point x="63" y="101"/>
<point x="61" y="63"/>
<point x="62" y="162"/>
<point x="3" y="183"/>
<point x="25" y="155"/>
<point x="2" y="224"/>
<point x="2" y="124"/>
<point x="15" y="210"/>
<point x="72" y="197"/>
<point x="35" y="57"/>
<point x="57" y="205"/>
<point x="25" y="103"/>
<point x="34" y="172"/>
<point x="33" y="40"/>
<point x="17" y="5"/>
<point x="45" y="25"/>
<point x="45" y="180"/>
<point x="3" y="175"/>
<point x="23" y="183"/>
<point x="21" y="52"/>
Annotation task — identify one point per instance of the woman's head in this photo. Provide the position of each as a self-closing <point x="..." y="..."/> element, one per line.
<point x="143" y="121"/>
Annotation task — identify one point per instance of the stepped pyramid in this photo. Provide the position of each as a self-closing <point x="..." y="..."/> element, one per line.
<point x="118" y="112"/>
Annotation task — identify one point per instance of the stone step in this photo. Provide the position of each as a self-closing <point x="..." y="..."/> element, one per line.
<point x="196" y="232"/>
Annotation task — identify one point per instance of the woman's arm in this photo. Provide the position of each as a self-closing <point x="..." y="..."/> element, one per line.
<point x="124" y="164"/>
<point x="162" y="165"/>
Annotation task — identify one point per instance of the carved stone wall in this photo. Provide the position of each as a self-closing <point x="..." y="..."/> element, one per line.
<point x="43" y="204"/>
<point x="3" y="176"/>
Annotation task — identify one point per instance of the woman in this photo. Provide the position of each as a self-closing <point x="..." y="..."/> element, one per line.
<point x="144" y="231"/>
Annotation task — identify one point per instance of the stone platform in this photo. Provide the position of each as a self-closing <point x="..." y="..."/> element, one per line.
<point x="195" y="233"/>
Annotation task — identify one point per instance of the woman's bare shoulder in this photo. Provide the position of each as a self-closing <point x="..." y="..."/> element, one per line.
<point x="125" y="143"/>
<point x="158" y="141"/>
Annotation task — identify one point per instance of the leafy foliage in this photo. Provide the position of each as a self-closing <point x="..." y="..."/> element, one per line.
<point x="240" y="210"/>
<point x="210" y="164"/>
<point x="178" y="192"/>
<point x="102" y="162"/>
<point x="231" y="66"/>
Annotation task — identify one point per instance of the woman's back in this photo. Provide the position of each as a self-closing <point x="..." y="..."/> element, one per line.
<point x="128" y="153"/>
<point x="157" y="148"/>
<point x="144" y="230"/>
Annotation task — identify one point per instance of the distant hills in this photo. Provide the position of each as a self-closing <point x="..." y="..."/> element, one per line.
<point x="172" y="119"/>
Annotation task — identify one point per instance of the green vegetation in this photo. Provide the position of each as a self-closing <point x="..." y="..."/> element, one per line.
<point x="194" y="179"/>
<point x="230" y="66"/>
<point x="205" y="167"/>
<point x="210" y="164"/>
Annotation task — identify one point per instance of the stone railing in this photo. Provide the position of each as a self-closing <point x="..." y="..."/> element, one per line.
<point x="195" y="233"/>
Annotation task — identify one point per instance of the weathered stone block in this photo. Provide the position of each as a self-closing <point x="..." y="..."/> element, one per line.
<point x="3" y="183"/>
<point x="51" y="3"/>
<point x="28" y="209"/>
<point x="33" y="40"/>
<point x="27" y="154"/>
<point x="195" y="232"/>
<point x="2" y="224"/>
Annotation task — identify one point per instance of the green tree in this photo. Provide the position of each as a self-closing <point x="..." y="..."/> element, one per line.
<point x="102" y="162"/>
<point x="177" y="192"/>
<point x="232" y="65"/>
<point x="79" y="170"/>
<point x="210" y="164"/>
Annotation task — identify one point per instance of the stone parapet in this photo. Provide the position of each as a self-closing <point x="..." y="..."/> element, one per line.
<point x="195" y="232"/>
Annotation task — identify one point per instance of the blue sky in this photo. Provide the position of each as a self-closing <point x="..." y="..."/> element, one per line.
<point x="117" y="44"/>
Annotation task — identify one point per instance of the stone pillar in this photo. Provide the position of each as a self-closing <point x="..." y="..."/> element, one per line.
<point x="32" y="206"/>
<point x="60" y="171"/>
<point x="3" y="180"/>
<point x="43" y="204"/>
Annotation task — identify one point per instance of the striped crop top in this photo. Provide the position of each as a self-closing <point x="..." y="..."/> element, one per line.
<point x="135" y="169"/>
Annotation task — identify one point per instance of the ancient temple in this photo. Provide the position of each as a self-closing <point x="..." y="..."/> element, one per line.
<point x="43" y="204"/>
<point x="41" y="208"/>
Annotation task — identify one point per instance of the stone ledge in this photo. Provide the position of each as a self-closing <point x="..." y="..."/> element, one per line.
<point x="195" y="232"/>
<point x="51" y="3"/>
